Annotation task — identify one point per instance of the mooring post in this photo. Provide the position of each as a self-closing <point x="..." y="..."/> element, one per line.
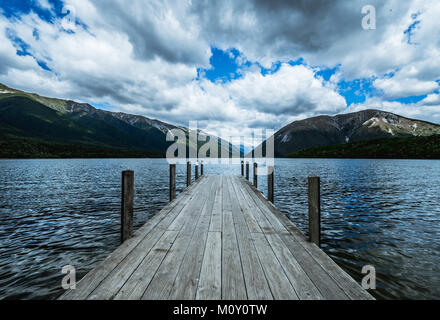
<point x="247" y="170"/>
<point x="242" y="168"/>
<point x="270" y="175"/>
<point x="314" y="210"/>
<point x="201" y="168"/>
<point x="255" y="175"/>
<point x="197" y="170"/>
<point x="188" y="173"/>
<point x="172" y="182"/>
<point x="127" y="205"/>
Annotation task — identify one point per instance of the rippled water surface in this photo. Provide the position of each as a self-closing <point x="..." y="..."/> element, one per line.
<point x="384" y="213"/>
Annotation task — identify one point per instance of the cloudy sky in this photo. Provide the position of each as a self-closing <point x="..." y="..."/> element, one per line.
<point x="234" y="64"/>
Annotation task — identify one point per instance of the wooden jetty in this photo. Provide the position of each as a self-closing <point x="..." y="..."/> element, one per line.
<point x="220" y="239"/>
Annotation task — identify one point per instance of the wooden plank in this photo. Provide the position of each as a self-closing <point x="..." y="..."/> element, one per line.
<point x="275" y="226"/>
<point x="279" y="283"/>
<point x="304" y="287"/>
<point x="182" y="217"/>
<point x="135" y="286"/>
<point x="162" y="282"/>
<point x="233" y="284"/>
<point x="347" y="285"/>
<point x="92" y="279"/>
<point x="256" y="283"/>
<point x="209" y="286"/>
<point x="118" y="277"/>
<point x="264" y="225"/>
<point x="185" y="284"/>
<point x="220" y="239"/>
<point x="323" y="282"/>
<point x="216" y="219"/>
<point x="110" y="286"/>
<point x="246" y="209"/>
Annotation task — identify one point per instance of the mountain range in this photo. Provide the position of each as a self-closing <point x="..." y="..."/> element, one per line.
<point x="32" y="126"/>
<point x="36" y="126"/>
<point x="344" y="128"/>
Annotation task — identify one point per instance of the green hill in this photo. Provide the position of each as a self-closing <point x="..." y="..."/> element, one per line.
<point x="348" y="127"/>
<point x="32" y="126"/>
<point x="30" y="129"/>
<point x="425" y="147"/>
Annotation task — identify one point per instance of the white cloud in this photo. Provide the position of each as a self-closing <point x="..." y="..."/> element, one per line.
<point x="100" y="65"/>
<point x="399" y="86"/>
<point x="431" y="100"/>
<point x="45" y="4"/>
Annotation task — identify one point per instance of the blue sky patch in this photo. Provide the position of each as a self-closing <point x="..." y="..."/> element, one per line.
<point x="411" y="99"/>
<point x="103" y="106"/>
<point x="227" y="66"/>
<point x="224" y="66"/>
<point x="16" y="8"/>
<point x="23" y="49"/>
<point x="357" y="90"/>
<point x="412" y="27"/>
<point x="21" y="46"/>
<point x="327" y="73"/>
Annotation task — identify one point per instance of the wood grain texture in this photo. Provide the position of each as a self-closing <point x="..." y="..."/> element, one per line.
<point x="233" y="285"/>
<point x="210" y="281"/>
<point x="314" y="196"/>
<point x="172" y="182"/>
<point x="127" y="205"/>
<point x="219" y="239"/>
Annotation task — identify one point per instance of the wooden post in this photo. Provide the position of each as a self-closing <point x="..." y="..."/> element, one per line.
<point x="197" y="171"/>
<point x="127" y="205"/>
<point x="255" y="175"/>
<point x="314" y="210"/>
<point x="247" y="170"/>
<point x="172" y="182"/>
<point x="188" y="173"/>
<point x="270" y="182"/>
<point x="201" y="168"/>
<point x="242" y="168"/>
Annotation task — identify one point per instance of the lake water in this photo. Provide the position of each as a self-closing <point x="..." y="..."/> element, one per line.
<point x="384" y="213"/>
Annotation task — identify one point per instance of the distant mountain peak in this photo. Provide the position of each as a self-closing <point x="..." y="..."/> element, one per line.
<point x="349" y="127"/>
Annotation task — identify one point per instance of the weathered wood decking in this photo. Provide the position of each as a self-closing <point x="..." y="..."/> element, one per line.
<point x="219" y="239"/>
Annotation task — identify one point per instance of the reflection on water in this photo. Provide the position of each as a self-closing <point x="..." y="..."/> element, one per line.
<point x="380" y="212"/>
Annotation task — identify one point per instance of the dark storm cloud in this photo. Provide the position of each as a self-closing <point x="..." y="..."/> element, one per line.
<point x="147" y="27"/>
<point x="308" y="25"/>
<point x="286" y="29"/>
